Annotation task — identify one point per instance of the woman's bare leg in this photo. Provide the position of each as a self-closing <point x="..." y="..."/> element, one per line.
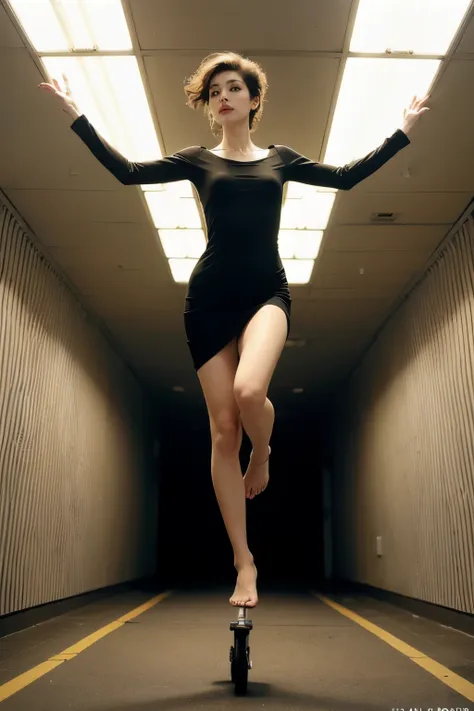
<point x="260" y="347"/>
<point x="217" y="382"/>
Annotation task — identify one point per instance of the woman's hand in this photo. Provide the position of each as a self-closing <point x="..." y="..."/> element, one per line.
<point x="64" y="98"/>
<point x="416" y="109"/>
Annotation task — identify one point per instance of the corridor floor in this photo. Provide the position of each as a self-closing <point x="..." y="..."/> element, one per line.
<point x="142" y="651"/>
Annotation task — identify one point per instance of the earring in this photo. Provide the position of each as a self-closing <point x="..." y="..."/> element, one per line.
<point x="213" y="123"/>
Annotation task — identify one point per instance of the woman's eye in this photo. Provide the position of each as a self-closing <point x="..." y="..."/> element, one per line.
<point x="215" y="92"/>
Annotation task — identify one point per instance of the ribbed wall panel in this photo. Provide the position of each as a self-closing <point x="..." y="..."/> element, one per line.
<point x="77" y="489"/>
<point x="404" y="444"/>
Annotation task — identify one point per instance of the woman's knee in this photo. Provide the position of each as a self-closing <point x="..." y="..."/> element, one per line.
<point x="249" y="394"/>
<point x="226" y="431"/>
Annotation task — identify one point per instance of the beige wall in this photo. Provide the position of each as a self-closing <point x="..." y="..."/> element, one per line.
<point x="77" y="486"/>
<point x="404" y="443"/>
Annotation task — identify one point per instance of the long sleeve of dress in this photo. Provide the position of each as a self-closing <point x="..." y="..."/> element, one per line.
<point x="300" y="169"/>
<point x="163" y="170"/>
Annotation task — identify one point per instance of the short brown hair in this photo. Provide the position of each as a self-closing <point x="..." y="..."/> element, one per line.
<point x="197" y="86"/>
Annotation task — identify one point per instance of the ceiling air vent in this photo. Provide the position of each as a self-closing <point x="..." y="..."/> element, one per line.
<point x="383" y="216"/>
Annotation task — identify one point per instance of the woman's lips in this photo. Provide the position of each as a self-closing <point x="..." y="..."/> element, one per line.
<point x="224" y="111"/>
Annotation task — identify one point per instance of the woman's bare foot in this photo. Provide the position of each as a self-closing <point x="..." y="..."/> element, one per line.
<point x="245" y="593"/>
<point x="256" y="477"/>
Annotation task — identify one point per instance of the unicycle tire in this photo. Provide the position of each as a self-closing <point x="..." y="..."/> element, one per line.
<point x="232" y="664"/>
<point x="240" y="663"/>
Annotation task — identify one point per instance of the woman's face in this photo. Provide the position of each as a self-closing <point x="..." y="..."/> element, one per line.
<point x="229" y="98"/>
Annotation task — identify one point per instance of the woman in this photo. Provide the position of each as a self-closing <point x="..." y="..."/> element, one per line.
<point x="237" y="310"/>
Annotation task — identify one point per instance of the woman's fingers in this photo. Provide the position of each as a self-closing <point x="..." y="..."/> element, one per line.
<point x="421" y="101"/>
<point x="55" y="88"/>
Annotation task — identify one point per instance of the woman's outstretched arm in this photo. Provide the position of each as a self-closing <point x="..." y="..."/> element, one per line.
<point x="179" y="166"/>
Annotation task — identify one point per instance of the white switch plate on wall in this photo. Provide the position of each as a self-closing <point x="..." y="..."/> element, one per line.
<point x="379" y="545"/>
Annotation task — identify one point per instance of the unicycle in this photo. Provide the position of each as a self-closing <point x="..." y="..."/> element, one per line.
<point x="240" y="652"/>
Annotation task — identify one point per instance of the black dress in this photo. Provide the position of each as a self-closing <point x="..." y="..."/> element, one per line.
<point x="240" y="270"/>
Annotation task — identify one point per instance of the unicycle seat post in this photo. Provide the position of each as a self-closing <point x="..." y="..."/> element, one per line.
<point x="242" y="621"/>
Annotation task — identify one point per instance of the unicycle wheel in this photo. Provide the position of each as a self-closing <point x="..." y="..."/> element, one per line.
<point x="232" y="663"/>
<point x="240" y="663"/>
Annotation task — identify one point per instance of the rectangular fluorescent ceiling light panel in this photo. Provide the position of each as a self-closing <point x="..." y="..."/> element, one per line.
<point x="170" y="211"/>
<point x="311" y="211"/>
<point x="299" y="244"/>
<point x="64" y="25"/>
<point x="424" y="26"/>
<point x="110" y="92"/>
<point x="298" y="271"/>
<point x="371" y="100"/>
<point x="180" y="244"/>
<point x="181" y="269"/>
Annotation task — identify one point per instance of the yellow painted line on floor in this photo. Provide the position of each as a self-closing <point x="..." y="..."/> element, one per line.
<point x="19" y="682"/>
<point x="448" y="677"/>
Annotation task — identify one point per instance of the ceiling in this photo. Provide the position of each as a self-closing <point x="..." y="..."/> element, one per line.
<point x="99" y="232"/>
